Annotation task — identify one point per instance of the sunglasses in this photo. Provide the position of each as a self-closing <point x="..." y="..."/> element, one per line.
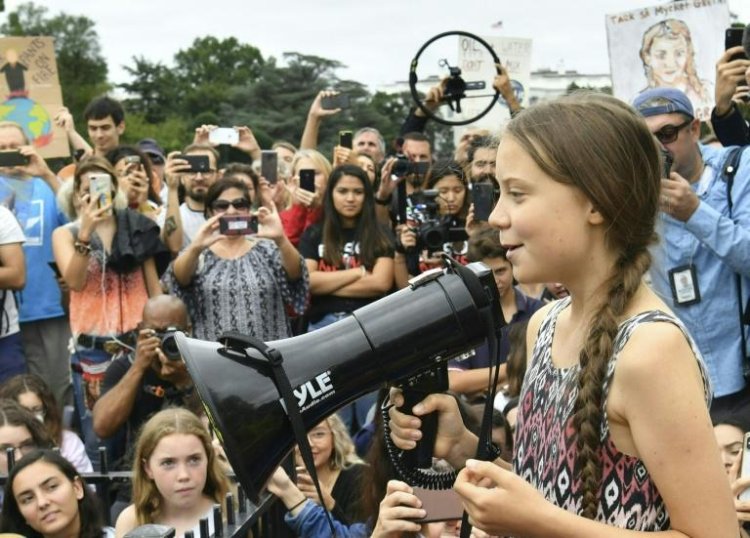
<point x="240" y="204"/>
<point x="669" y="133"/>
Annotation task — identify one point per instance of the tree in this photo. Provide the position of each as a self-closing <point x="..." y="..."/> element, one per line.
<point x="82" y="69"/>
<point x="155" y="90"/>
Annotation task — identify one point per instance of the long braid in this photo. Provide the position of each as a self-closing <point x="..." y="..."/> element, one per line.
<point x="594" y="358"/>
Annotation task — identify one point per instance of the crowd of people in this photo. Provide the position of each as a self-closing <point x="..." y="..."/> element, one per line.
<point x="619" y="244"/>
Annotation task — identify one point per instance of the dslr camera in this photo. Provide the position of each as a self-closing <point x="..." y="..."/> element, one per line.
<point x="168" y="343"/>
<point x="404" y="167"/>
<point x="432" y="229"/>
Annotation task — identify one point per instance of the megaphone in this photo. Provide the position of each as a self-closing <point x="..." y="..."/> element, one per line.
<point x="443" y="313"/>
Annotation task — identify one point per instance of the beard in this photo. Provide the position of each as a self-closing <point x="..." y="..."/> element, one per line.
<point x="197" y="196"/>
<point x="483" y="178"/>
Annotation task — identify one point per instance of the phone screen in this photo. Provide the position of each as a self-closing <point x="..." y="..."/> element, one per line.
<point x="269" y="166"/>
<point x="307" y="179"/>
<point x="238" y="225"/>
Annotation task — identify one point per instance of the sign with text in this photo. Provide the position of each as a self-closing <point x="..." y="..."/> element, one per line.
<point x="670" y="45"/>
<point x="30" y="93"/>
<point x="476" y="64"/>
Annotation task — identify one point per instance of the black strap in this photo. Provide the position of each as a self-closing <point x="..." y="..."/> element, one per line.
<point x="731" y="164"/>
<point x="284" y="386"/>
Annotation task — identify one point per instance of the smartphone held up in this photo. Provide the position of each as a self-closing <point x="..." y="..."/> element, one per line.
<point x="100" y="189"/>
<point x="238" y="225"/>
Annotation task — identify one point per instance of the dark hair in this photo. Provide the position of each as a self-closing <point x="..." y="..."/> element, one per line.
<point x="120" y="152"/>
<point x="221" y="185"/>
<point x="602" y="147"/>
<point x="13" y="414"/>
<point x="103" y="107"/>
<point x="241" y="168"/>
<point x="14" y="387"/>
<point x="89" y="510"/>
<point x="489" y="142"/>
<point x="516" y="365"/>
<point x="443" y="169"/>
<point x="485" y="243"/>
<point x="373" y="241"/>
<point x="416" y="136"/>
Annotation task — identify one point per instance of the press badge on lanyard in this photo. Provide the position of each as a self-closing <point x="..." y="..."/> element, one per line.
<point x="684" y="285"/>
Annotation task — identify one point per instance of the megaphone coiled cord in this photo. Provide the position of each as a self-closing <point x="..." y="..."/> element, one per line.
<point x="428" y="479"/>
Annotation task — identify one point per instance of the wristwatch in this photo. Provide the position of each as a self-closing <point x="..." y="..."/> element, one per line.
<point x="384" y="202"/>
<point x="82" y="248"/>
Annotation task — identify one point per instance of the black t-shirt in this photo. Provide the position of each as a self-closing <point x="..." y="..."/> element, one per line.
<point x="154" y="394"/>
<point x="311" y="248"/>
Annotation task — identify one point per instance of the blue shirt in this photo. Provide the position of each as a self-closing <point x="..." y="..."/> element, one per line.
<point x="35" y="206"/>
<point x="719" y="247"/>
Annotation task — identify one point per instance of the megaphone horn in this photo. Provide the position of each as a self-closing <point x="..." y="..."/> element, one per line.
<point x="440" y="315"/>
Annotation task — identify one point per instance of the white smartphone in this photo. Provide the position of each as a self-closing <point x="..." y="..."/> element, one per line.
<point x="224" y="135"/>
<point x="745" y="471"/>
<point x="100" y="188"/>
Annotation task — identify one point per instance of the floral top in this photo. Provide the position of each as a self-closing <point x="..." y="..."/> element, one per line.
<point x="250" y="294"/>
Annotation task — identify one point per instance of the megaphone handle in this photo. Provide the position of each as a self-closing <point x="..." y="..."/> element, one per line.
<point x="421" y="456"/>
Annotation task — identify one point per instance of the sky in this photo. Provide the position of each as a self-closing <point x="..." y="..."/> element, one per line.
<point x="375" y="39"/>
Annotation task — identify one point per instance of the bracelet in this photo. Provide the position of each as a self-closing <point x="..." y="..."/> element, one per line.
<point x="82" y="248"/>
<point x="298" y="505"/>
<point x="385" y="201"/>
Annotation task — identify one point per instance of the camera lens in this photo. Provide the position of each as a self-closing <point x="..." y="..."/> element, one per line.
<point x="169" y="347"/>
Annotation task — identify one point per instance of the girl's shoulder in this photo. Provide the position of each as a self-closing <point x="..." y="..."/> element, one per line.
<point x="126" y="521"/>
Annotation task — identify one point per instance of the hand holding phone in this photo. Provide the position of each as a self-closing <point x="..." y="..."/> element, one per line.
<point x="733" y="38"/>
<point x="333" y="102"/>
<point x="224" y="135"/>
<point x="345" y="139"/>
<point x="100" y="189"/>
<point x="198" y="163"/>
<point x="238" y="225"/>
<point x="307" y="179"/>
<point x="483" y="197"/>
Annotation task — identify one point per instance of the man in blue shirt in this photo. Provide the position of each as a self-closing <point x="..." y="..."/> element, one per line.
<point x="701" y="245"/>
<point x="29" y="191"/>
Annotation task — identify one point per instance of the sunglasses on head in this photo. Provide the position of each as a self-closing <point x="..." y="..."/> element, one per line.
<point x="668" y="133"/>
<point x="240" y="204"/>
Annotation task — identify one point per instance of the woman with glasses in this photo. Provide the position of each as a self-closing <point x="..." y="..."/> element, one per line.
<point x="339" y="471"/>
<point x="20" y="431"/>
<point x="246" y="282"/>
<point x="33" y="394"/>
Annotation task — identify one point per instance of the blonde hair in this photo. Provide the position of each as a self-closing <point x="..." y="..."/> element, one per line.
<point x="343" y="454"/>
<point x="146" y="497"/>
<point x="321" y="163"/>
<point x="13" y="125"/>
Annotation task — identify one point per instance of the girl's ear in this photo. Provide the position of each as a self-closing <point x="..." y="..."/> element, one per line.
<point x="595" y="217"/>
<point x="78" y="487"/>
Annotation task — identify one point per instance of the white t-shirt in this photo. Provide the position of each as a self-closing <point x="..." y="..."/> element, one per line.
<point x="10" y="232"/>
<point x="191" y="223"/>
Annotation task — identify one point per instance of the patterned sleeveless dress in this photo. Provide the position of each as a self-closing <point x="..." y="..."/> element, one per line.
<point x="545" y="447"/>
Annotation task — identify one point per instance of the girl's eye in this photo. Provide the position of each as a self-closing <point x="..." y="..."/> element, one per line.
<point x="167" y="463"/>
<point x="195" y="460"/>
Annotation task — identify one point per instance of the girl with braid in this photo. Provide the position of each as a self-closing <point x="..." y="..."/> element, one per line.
<point x="613" y="437"/>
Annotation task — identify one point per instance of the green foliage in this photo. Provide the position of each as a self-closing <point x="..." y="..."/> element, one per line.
<point x="172" y="132"/>
<point x="601" y="89"/>
<point x="82" y="69"/>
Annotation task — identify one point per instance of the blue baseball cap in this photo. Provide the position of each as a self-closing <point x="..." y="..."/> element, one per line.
<point x="657" y="101"/>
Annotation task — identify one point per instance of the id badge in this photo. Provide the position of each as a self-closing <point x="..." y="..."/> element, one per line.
<point x="684" y="285"/>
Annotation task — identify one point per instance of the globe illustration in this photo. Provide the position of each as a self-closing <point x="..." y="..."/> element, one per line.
<point x="31" y="116"/>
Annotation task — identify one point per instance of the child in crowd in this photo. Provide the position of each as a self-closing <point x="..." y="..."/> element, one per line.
<point x="177" y="478"/>
<point x="613" y="432"/>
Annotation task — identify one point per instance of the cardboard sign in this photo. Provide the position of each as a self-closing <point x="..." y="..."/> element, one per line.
<point x="30" y="92"/>
<point x="670" y="45"/>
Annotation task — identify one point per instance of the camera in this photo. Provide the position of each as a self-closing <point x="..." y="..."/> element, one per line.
<point x="404" y="167"/>
<point x="168" y="343"/>
<point x="433" y="230"/>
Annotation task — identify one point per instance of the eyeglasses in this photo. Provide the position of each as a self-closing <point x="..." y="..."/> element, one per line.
<point x="24" y="448"/>
<point x="240" y="204"/>
<point x="669" y="133"/>
<point x="317" y="435"/>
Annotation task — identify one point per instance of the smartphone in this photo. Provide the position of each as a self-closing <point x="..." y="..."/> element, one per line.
<point x="307" y="179"/>
<point x="483" y="197"/>
<point x="733" y="38"/>
<point x="345" y="139"/>
<point x="100" y="188"/>
<point x="440" y="504"/>
<point x="745" y="470"/>
<point x="132" y="159"/>
<point x="238" y="225"/>
<point x="667" y="164"/>
<point x="198" y="163"/>
<point x="224" y="135"/>
<point x="13" y="158"/>
<point x="269" y="165"/>
<point x="332" y="102"/>
<point x="55" y="268"/>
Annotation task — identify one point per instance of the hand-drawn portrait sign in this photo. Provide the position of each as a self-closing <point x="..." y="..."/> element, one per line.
<point x="675" y="45"/>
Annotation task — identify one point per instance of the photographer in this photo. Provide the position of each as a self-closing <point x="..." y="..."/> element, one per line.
<point x="434" y="224"/>
<point x="138" y="384"/>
